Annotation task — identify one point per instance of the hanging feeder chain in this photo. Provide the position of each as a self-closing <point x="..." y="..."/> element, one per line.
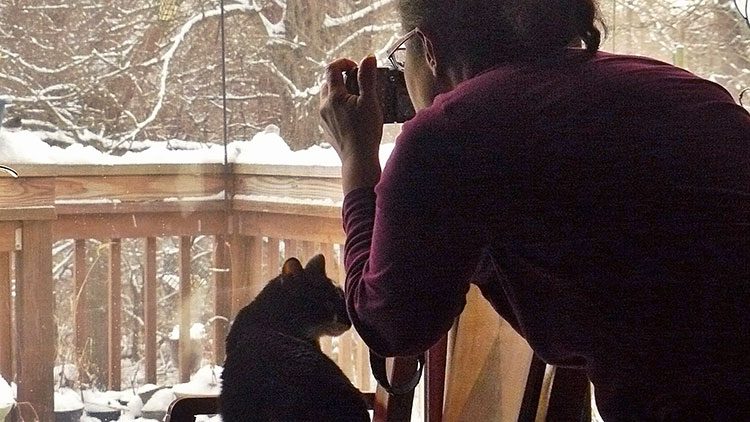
<point x="9" y="170"/>
<point x="744" y="13"/>
<point x="744" y="92"/>
<point x="227" y="193"/>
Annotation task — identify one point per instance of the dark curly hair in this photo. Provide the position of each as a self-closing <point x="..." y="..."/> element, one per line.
<point x="483" y="33"/>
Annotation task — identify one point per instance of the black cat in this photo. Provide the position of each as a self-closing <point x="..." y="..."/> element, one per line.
<point x="275" y="370"/>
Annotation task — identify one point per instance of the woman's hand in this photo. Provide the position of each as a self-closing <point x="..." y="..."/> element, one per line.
<point x="354" y="122"/>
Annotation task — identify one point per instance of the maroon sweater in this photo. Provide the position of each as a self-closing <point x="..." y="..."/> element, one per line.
<point x="602" y="206"/>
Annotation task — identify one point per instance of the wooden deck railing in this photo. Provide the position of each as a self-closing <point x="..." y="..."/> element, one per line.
<point x="252" y="212"/>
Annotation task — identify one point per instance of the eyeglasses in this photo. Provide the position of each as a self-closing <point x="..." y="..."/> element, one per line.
<point x="397" y="53"/>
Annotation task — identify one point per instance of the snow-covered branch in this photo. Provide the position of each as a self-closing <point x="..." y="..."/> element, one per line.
<point x="169" y="55"/>
<point x="359" y="14"/>
<point x="41" y="69"/>
<point x="295" y="91"/>
<point x="369" y="29"/>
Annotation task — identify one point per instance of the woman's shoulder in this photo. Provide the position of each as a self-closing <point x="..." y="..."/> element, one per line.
<point x="651" y="77"/>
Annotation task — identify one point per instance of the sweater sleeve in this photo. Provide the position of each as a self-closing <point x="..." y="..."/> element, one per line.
<point x="412" y="246"/>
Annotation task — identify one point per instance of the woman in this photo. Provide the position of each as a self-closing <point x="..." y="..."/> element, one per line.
<point x="600" y="202"/>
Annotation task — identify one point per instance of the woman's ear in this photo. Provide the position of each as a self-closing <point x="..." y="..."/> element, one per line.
<point x="430" y="54"/>
<point x="436" y="56"/>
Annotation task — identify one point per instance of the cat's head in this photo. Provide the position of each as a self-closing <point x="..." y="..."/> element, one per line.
<point x="321" y="300"/>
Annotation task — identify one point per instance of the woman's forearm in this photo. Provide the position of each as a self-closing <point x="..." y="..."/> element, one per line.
<point x="359" y="173"/>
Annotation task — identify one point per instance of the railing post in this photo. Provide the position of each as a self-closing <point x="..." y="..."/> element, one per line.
<point x="114" y="319"/>
<point x="149" y="310"/>
<point x="239" y="253"/>
<point x="308" y="250"/>
<point x="363" y="359"/>
<point x="35" y="304"/>
<point x="6" y="318"/>
<point x="222" y="300"/>
<point x="80" y="271"/>
<point x="273" y="265"/>
<point x="254" y="269"/>
<point x="291" y="249"/>
<point x="434" y="380"/>
<point x="247" y="254"/>
<point x="346" y="341"/>
<point x="326" y="343"/>
<point x="185" y="349"/>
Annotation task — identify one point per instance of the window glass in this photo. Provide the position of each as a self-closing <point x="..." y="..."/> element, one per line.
<point x="710" y="38"/>
<point x="170" y="158"/>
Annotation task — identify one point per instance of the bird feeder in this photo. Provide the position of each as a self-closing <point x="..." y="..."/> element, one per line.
<point x="168" y="9"/>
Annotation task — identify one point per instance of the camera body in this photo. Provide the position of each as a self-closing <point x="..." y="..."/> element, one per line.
<point x="392" y="92"/>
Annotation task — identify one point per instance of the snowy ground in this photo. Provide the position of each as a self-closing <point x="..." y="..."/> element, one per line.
<point x="144" y="403"/>
<point x="130" y="402"/>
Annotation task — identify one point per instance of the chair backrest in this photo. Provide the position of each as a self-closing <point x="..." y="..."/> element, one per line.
<point x="568" y="398"/>
<point x="187" y="408"/>
<point x="555" y="394"/>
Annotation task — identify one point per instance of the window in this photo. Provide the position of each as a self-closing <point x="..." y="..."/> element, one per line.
<point x="710" y="38"/>
<point x="170" y="159"/>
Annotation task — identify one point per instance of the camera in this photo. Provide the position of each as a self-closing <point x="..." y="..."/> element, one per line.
<point x="394" y="98"/>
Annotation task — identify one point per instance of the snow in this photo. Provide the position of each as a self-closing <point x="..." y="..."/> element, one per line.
<point x="214" y="197"/>
<point x="205" y="382"/>
<point x="67" y="399"/>
<point x="160" y="401"/>
<point x="68" y="372"/>
<point x="24" y="147"/>
<point x="101" y="401"/>
<point x="92" y="201"/>
<point x="6" y="392"/>
<point x="130" y="395"/>
<point x="288" y="199"/>
<point x="266" y="147"/>
<point x="203" y="418"/>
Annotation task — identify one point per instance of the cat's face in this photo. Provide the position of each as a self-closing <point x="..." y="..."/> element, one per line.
<point x="321" y="298"/>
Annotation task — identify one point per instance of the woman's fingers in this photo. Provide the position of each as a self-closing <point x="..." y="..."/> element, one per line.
<point x="367" y="78"/>
<point x="354" y="122"/>
<point x="335" y="75"/>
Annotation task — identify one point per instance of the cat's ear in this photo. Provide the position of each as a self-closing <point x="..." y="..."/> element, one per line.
<point x="317" y="264"/>
<point x="291" y="268"/>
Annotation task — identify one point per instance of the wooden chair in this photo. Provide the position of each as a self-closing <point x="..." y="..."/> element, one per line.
<point x="557" y="394"/>
<point x="549" y="394"/>
<point x="187" y="408"/>
<point x="567" y="400"/>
